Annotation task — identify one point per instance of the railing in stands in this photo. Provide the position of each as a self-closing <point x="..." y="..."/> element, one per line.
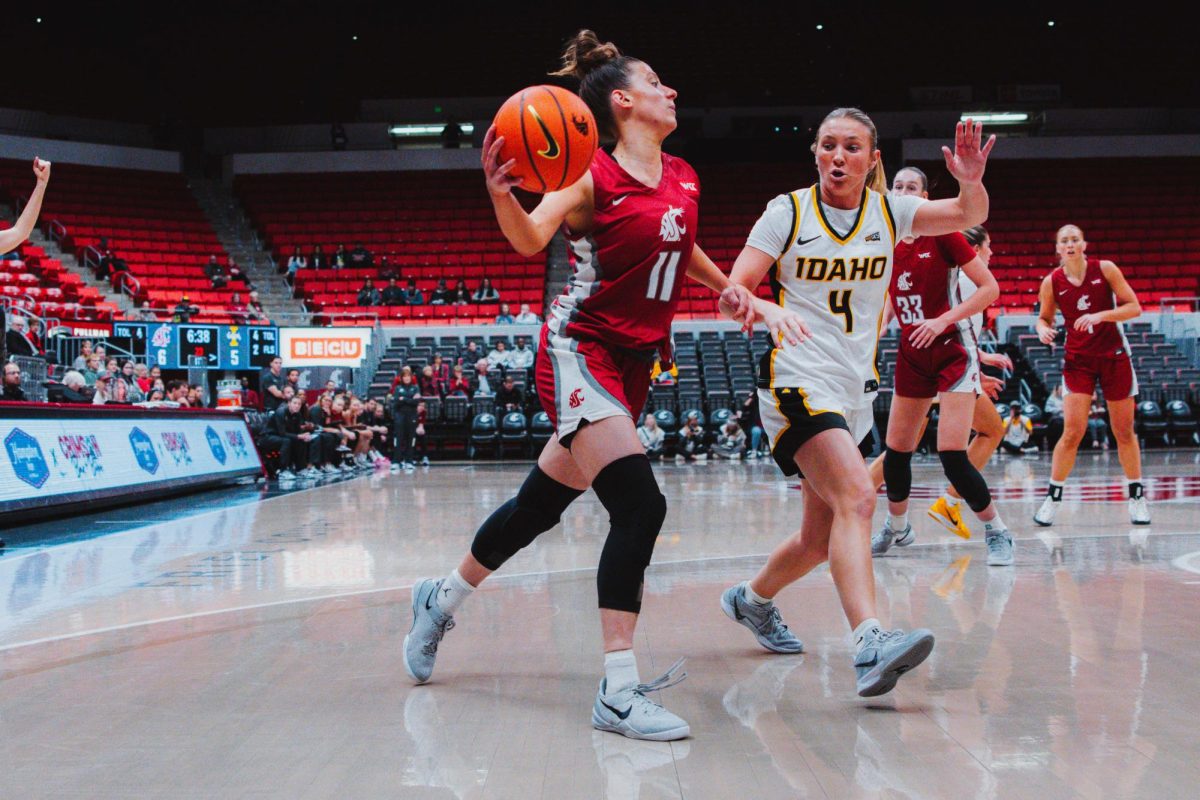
<point x="91" y="259"/>
<point x="34" y="373"/>
<point x="56" y="231"/>
<point x="129" y="285"/>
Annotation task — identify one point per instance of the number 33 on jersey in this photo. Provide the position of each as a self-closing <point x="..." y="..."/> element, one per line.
<point x="833" y="267"/>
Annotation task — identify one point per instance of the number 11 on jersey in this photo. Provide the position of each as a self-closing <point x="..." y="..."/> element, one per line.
<point x="653" y="291"/>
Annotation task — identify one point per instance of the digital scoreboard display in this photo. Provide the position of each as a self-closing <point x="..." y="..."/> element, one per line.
<point x="171" y="346"/>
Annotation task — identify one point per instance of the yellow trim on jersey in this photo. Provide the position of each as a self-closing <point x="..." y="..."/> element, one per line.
<point x="858" y="221"/>
<point x="878" y="334"/>
<point x="795" y="223"/>
<point x="810" y="409"/>
<point x="778" y="407"/>
<point x="887" y="216"/>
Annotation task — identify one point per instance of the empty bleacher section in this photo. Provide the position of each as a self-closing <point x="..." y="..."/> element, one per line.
<point x="429" y="225"/>
<point x="150" y="221"/>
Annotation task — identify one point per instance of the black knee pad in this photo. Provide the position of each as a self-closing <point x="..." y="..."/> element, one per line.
<point x="965" y="479"/>
<point x="636" y="510"/>
<point x="897" y="474"/>
<point x="536" y="509"/>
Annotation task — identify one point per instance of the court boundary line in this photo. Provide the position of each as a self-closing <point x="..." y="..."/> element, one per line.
<point x="959" y="543"/>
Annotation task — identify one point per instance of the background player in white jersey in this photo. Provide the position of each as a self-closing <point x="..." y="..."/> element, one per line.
<point x="829" y="251"/>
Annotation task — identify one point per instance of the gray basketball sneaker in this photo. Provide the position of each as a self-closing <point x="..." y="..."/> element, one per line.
<point x="1000" y="549"/>
<point x="886" y="655"/>
<point x="886" y="538"/>
<point x="1045" y="514"/>
<point x="1139" y="511"/>
<point x="630" y="713"/>
<point x="430" y="624"/>
<point x="763" y="621"/>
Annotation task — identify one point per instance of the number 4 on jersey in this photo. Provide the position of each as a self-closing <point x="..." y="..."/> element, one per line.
<point x="839" y="303"/>
<point x="663" y="293"/>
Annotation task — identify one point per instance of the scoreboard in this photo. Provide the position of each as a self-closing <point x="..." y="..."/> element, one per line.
<point x="174" y="346"/>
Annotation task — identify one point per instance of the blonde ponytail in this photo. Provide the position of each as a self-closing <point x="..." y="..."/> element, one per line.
<point x="877" y="177"/>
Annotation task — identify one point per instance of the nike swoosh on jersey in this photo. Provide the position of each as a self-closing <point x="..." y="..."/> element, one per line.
<point x="802" y="242"/>
<point x="1060" y="294"/>
<point x="1098" y="280"/>
<point x="618" y="200"/>
<point x="620" y="714"/>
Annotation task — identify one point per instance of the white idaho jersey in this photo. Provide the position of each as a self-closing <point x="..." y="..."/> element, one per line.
<point x="838" y="284"/>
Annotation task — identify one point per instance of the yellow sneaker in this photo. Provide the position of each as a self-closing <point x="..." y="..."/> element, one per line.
<point x="949" y="517"/>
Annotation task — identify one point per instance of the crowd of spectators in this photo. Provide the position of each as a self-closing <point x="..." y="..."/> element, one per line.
<point x="738" y="437"/>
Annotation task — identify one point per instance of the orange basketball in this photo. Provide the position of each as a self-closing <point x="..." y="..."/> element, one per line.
<point x="551" y="133"/>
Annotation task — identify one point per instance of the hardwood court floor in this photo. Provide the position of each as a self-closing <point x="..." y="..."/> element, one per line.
<point x="250" y="650"/>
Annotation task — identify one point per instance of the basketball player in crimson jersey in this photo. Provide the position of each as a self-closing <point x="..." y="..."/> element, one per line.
<point x="939" y="358"/>
<point x="631" y="223"/>
<point x="1095" y="299"/>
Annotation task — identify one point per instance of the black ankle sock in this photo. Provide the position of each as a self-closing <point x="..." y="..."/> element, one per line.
<point x="1055" y="493"/>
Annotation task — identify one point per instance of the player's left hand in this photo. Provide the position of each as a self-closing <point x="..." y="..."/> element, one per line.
<point x="737" y="303"/>
<point x="784" y="325"/>
<point x="995" y="360"/>
<point x="41" y="170"/>
<point x="991" y="386"/>
<point x="927" y="332"/>
<point x="1087" y="322"/>
<point x="969" y="159"/>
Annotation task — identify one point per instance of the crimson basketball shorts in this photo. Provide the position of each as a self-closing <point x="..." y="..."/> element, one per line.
<point x="1114" y="374"/>
<point x="584" y="381"/>
<point x="944" y="366"/>
<point x="792" y="416"/>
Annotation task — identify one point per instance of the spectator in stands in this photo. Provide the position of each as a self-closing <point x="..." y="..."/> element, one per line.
<point x="368" y="295"/>
<point x="156" y="396"/>
<point x="652" y="437"/>
<point x="527" y="317"/>
<point x="441" y="375"/>
<point x="482" y="387"/>
<point x="458" y="386"/>
<point x="216" y="273"/>
<point x="426" y="382"/>
<point x="12" y="390"/>
<point x="731" y="441"/>
<point x="500" y="358"/>
<point x="751" y="422"/>
<point x="505" y="316"/>
<point x="486" y="293"/>
<point x="471" y="354"/>
<point x="250" y="396"/>
<point x="406" y="398"/>
<point x="75" y="388"/>
<point x="146" y="313"/>
<point x="419" y="445"/>
<point x="85" y="350"/>
<point x="393" y="295"/>
<point x="235" y="273"/>
<point x="17" y="340"/>
<point x="254" y="309"/>
<point x="318" y="260"/>
<point x="413" y="296"/>
<point x="386" y="270"/>
<point x="296" y="263"/>
<point x="364" y="437"/>
<point x="441" y="295"/>
<point x="1097" y="426"/>
<point x="510" y="397"/>
<point x="377" y="420"/>
<point x="112" y="367"/>
<point x="1017" y="430"/>
<point x="293" y="380"/>
<point x="176" y="392"/>
<point x="270" y="384"/>
<point x="341" y="259"/>
<point x="130" y="389"/>
<point x="155" y="375"/>
<point x="184" y="310"/>
<point x="360" y="257"/>
<point x="104" y="389"/>
<point x="461" y="296"/>
<point x="691" y="439"/>
<point x="329" y="434"/>
<point x="142" y="375"/>
<point x="298" y="449"/>
<point x="521" y="356"/>
<point x="111" y="266"/>
<point x="236" y="308"/>
<point x="92" y="370"/>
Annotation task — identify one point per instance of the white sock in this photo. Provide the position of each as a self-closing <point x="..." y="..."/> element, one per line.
<point x="453" y="592"/>
<point x="897" y="522"/>
<point x="861" y="631"/>
<point x="756" y="598"/>
<point x="994" y="524"/>
<point x="620" y="671"/>
<point x="950" y="499"/>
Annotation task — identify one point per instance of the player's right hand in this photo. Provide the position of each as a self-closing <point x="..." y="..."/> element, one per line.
<point x="1047" y="335"/>
<point x="41" y="170"/>
<point x="991" y="386"/>
<point x="784" y="325"/>
<point x="499" y="181"/>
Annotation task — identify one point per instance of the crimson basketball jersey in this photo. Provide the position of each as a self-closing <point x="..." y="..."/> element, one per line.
<point x="925" y="283"/>
<point x="629" y="269"/>
<point x="1094" y="294"/>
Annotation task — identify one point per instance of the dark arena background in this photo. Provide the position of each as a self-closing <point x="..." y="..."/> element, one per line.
<point x="206" y="592"/>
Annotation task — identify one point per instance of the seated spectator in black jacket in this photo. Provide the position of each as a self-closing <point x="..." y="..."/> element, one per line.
<point x="341" y="258"/>
<point x="368" y="295"/>
<point x="360" y="257"/>
<point x="297" y="447"/>
<point x="12" y="384"/>
<point x="413" y="296"/>
<point x="183" y="312"/>
<point x="486" y="293"/>
<point x="76" y="389"/>
<point x="441" y="295"/>
<point x="216" y="273"/>
<point x="393" y="295"/>
<point x="318" y="259"/>
<point x="388" y="271"/>
<point x="510" y="397"/>
<point x="330" y="433"/>
<point x="460" y="298"/>
<point x="16" y="338"/>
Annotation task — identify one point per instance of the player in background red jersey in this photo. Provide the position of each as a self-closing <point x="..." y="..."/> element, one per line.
<point x="1095" y="299"/>
<point x="631" y="223"/>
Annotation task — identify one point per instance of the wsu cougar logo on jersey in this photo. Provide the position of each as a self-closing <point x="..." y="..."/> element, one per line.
<point x="671" y="230"/>
<point x="903" y="283"/>
<point x="1084" y="304"/>
<point x="576" y="398"/>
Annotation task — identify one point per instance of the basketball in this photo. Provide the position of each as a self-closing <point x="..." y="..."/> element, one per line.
<point x="551" y="133"/>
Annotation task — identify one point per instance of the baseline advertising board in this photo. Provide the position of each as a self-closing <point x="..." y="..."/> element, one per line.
<point x="324" y="347"/>
<point x="59" y="455"/>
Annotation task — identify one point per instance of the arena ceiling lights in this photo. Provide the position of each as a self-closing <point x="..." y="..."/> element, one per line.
<point x="423" y="131"/>
<point x="996" y="117"/>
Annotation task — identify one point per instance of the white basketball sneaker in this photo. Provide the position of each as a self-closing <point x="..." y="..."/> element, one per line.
<point x="630" y="713"/>
<point x="1139" y="511"/>
<point x="1045" y="514"/>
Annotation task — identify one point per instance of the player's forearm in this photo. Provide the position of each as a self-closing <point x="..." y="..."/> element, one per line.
<point x="1123" y="312"/>
<point x="12" y="238"/>
<point x="522" y="232"/>
<point x="976" y="304"/>
<point x="973" y="205"/>
<point x="703" y="270"/>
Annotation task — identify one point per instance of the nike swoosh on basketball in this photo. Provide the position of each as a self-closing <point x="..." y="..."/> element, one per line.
<point x="802" y="242"/>
<point x="620" y="715"/>
<point x="618" y="200"/>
